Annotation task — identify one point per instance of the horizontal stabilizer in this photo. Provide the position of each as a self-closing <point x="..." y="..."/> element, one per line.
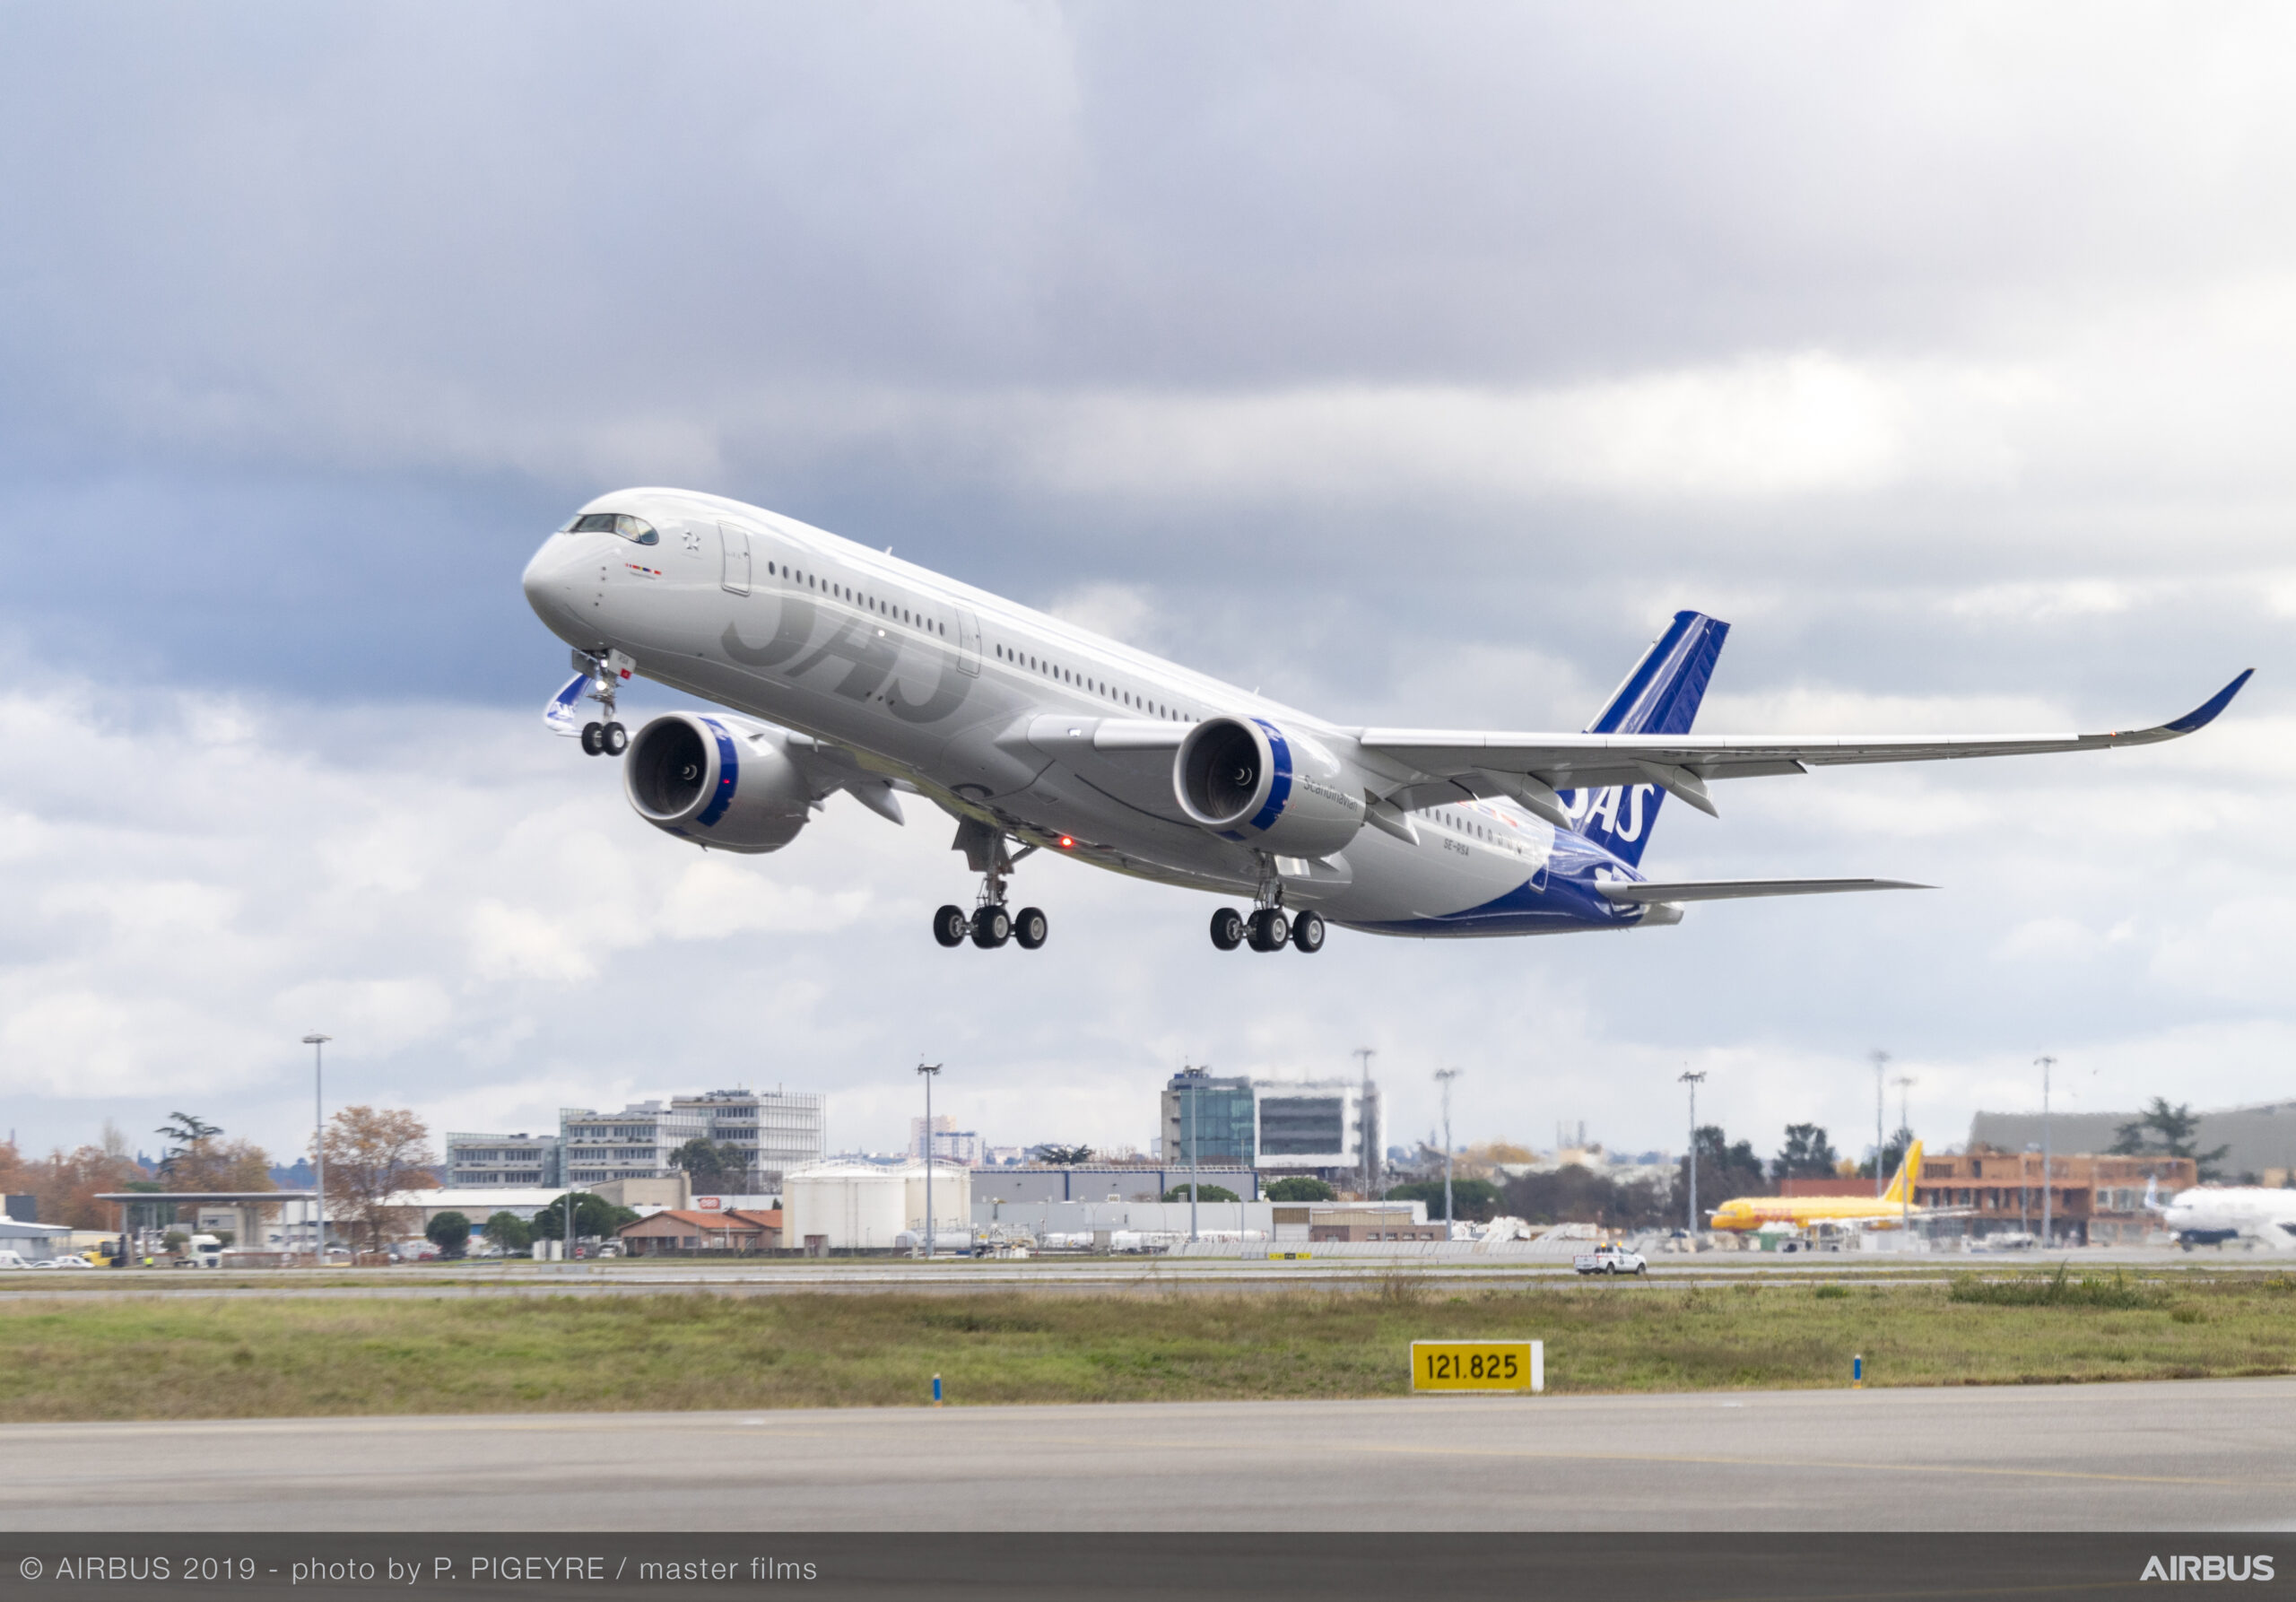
<point x="1731" y="890"/>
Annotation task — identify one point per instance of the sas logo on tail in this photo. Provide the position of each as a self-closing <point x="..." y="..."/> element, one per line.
<point x="1587" y="808"/>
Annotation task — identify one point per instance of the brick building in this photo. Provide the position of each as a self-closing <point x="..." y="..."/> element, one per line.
<point x="2094" y="1200"/>
<point x="677" y="1230"/>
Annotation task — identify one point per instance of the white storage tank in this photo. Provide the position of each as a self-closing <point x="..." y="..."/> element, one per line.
<point x="867" y="1206"/>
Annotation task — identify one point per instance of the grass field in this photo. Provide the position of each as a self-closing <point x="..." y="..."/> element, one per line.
<point x="181" y="1357"/>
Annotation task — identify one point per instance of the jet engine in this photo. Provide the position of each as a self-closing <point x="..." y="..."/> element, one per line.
<point x="1280" y="791"/>
<point x="716" y="782"/>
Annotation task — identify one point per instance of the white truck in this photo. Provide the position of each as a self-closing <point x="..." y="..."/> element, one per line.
<point x="1610" y="1260"/>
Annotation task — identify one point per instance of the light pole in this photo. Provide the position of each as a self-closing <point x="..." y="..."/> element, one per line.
<point x="1191" y="1154"/>
<point x="1905" y="1164"/>
<point x="1363" y="1111"/>
<point x="1693" y="1081"/>
<point x="2048" y="1188"/>
<point x="317" y="1043"/>
<point x="930" y="1071"/>
<point x="1881" y="1180"/>
<point x="1443" y="1076"/>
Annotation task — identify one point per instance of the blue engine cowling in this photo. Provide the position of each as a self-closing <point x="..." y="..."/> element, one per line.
<point x="1277" y="790"/>
<point x="716" y="782"/>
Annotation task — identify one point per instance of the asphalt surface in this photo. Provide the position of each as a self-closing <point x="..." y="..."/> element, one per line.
<point x="1116" y="1274"/>
<point x="2189" y="1455"/>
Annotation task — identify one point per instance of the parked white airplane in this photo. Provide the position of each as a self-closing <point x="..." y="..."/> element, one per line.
<point x="850" y="670"/>
<point x="2210" y="1214"/>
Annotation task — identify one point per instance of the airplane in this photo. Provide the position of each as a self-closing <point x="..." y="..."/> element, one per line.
<point x="2212" y="1215"/>
<point x="1885" y="1211"/>
<point x="844" y="669"/>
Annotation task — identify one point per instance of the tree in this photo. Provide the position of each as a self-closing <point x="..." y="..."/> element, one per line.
<point x="714" y="1169"/>
<point x="189" y="1132"/>
<point x="450" y="1233"/>
<point x="1179" y="1193"/>
<point x="2162" y="1130"/>
<point x="1576" y="1195"/>
<point x="68" y="1183"/>
<point x="508" y="1232"/>
<point x="595" y="1218"/>
<point x="374" y="1156"/>
<point x="1476" y="1199"/>
<point x="1065" y="1156"/>
<point x="1808" y="1155"/>
<point x="1726" y="1168"/>
<point x="1301" y="1188"/>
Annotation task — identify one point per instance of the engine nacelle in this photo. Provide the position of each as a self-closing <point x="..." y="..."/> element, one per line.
<point x="717" y="783"/>
<point x="1288" y="794"/>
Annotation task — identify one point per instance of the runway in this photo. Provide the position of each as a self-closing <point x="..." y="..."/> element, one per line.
<point x="1099" y="1276"/>
<point x="2190" y="1455"/>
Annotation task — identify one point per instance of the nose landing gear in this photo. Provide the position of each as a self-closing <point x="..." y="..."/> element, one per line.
<point x="606" y="737"/>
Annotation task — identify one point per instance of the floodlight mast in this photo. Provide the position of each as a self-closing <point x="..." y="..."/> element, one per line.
<point x="2049" y="1185"/>
<point x="929" y="1072"/>
<point x="1881" y="1179"/>
<point x="1905" y="1122"/>
<point x="1693" y="1081"/>
<point x="1443" y="1076"/>
<point x="317" y="1043"/>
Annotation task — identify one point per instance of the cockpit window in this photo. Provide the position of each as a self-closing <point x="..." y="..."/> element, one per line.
<point x="636" y="529"/>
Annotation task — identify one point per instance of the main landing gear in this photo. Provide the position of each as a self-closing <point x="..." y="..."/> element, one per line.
<point x="990" y="925"/>
<point x="1267" y="928"/>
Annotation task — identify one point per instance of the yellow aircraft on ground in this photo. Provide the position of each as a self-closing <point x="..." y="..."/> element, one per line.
<point x="1885" y="1211"/>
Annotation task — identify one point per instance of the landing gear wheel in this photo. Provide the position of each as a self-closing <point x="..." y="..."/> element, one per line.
<point x="1308" y="932"/>
<point x="1269" y="930"/>
<point x="594" y="738"/>
<point x="950" y="925"/>
<point x="992" y="926"/>
<point x="1030" y="927"/>
<point x="614" y="739"/>
<point x="1227" y="928"/>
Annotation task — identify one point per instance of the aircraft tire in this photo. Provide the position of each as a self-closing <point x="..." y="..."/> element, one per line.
<point x="594" y="738"/>
<point x="614" y="739"/>
<point x="1029" y="928"/>
<point x="1227" y="928"/>
<point x="1270" y="930"/>
<point x="1308" y="932"/>
<point x="949" y="925"/>
<point x="992" y="926"/>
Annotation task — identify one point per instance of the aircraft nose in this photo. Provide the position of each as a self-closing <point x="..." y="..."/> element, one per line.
<point x="551" y="578"/>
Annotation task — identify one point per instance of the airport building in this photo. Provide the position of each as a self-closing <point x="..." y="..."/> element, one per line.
<point x="775" y="1131"/>
<point x="1322" y="1127"/>
<point x="1106" y="1183"/>
<point x="2260" y="1140"/>
<point x="475" y="1159"/>
<point x="2092" y="1200"/>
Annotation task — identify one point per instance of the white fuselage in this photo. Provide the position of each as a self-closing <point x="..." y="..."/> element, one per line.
<point x="1015" y="718"/>
<point x="2209" y="1212"/>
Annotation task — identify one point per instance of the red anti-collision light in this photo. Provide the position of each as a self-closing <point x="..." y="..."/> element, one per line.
<point x="1067" y="843"/>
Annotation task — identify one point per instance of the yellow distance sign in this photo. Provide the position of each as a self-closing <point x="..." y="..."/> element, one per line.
<point x="1478" y="1365"/>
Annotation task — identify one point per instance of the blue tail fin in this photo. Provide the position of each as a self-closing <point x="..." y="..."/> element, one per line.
<point x="1660" y="697"/>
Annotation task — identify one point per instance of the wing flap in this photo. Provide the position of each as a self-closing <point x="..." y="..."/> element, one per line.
<point x="1731" y="890"/>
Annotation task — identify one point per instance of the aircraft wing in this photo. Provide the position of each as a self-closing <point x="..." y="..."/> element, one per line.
<point x="1730" y="890"/>
<point x="1682" y="764"/>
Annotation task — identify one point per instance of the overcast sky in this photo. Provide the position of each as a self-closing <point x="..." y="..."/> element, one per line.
<point x="1414" y="365"/>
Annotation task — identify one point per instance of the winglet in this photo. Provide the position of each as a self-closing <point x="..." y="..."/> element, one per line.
<point x="2204" y="714"/>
